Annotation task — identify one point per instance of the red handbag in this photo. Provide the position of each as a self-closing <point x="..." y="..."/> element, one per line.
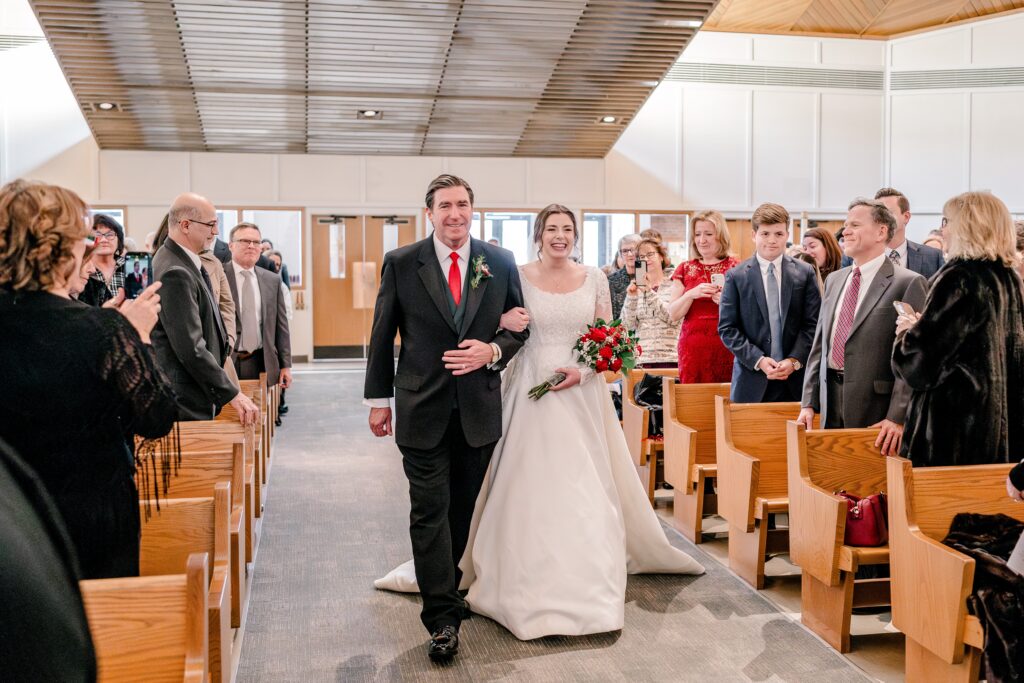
<point x="867" y="522"/>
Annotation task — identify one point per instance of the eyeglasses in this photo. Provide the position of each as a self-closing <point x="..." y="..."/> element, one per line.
<point x="626" y="251"/>
<point x="945" y="222"/>
<point x="649" y="256"/>
<point x="210" y="224"/>
<point x="104" y="236"/>
<point x="248" y="243"/>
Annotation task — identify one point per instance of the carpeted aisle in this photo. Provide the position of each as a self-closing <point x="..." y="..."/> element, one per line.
<point x="336" y="519"/>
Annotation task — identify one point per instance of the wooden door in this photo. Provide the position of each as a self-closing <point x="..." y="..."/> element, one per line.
<point x="347" y="258"/>
<point x="741" y="238"/>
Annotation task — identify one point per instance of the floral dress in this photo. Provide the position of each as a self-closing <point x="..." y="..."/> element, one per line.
<point x="702" y="356"/>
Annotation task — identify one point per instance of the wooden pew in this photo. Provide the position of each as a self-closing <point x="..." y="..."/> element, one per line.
<point x="635" y="421"/>
<point x="151" y="628"/>
<point x="931" y="581"/>
<point x="256" y="390"/>
<point x="821" y="462"/>
<point x="188" y="525"/>
<point x="690" y="460"/>
<point x="212" y="452"/>
<point x="254" y="475"/>
<point x="752" y="480"/>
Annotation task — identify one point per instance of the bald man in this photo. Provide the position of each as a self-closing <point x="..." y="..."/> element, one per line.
<point x="190" y="340"/>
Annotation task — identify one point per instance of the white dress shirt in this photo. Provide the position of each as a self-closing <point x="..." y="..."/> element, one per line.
<point x="444" y="258"/>
<point x="901" y="250"/>
<point x="867" y="276"/>
<point x="240" y="283"/>
<point x="194" y="257"/>
<point x="778" y="278"/>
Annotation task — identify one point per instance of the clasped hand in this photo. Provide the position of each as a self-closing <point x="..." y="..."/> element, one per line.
<point x="777" y="370"/>
<point x="471" y="355"/>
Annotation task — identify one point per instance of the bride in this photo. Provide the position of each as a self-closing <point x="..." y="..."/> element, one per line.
<point x="562" y="516"/>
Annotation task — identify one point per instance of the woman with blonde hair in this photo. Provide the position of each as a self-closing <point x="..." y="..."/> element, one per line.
<point x="696" y="289"/>
<point x="963" y="355"/>
<point x="79" y="381"/>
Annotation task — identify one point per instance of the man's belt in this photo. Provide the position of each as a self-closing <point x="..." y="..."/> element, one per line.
<point x="246" y="355"/>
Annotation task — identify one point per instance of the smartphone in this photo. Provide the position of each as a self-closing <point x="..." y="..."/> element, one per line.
<point x="903" y="308"/>
<point x="137" y="273"/>
<point x="641" y="273"/>
<point x="718" y="279"/>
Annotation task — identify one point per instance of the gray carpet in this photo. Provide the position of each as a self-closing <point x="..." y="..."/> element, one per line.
<point x="336" y="519"/>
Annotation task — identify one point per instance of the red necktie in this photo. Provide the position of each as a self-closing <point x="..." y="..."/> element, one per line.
<point x="845" y="322"/>
<point x="455" y="279"/>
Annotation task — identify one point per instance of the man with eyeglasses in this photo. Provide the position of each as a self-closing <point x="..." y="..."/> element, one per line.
<point x="190" y="341"/>
<point x="264" y="342"/>
<point x="618" y="282"/>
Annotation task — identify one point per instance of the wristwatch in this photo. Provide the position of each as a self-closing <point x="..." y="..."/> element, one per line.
<point x="796" y="364"/>
<point x="495" y="353"/>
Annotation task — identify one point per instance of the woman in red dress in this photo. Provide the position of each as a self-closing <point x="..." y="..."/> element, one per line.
<point x="696" y="289"/>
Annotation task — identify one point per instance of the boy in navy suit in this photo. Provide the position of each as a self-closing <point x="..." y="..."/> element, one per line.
<point x="768" y="313"/>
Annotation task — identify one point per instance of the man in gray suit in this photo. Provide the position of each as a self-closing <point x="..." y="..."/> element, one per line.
<point x="901" y="251"/>
<point x="263" y="340"/>
<point x="849" y="377"/>
<point x="189" y="338"/>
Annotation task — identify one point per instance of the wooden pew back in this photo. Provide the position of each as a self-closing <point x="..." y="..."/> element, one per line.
<point x="635" y="419"/>
<point x="150" y="628"/>
<point x="931" y="581"/>
<point x="821" y="462"/>
<point x="693" y="406"/>
<point x="751" y="451"/>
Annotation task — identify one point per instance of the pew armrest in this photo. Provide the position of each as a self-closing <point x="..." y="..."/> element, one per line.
<point x="817" y="527"/>
<point x="680" y="453"/>
<point x="634" y="428"/>
<point x="738" y="476"/>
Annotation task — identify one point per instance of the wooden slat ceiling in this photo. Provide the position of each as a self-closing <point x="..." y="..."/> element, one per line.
<point x="469" y="77"/>
<point x="850" y="18"/>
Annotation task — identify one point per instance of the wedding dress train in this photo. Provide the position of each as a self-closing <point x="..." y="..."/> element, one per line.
<point x="562" y="516"/>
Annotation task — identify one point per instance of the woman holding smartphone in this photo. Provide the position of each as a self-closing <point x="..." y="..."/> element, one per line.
<point x="646" y="307"/>
<point x="696" y="288"/>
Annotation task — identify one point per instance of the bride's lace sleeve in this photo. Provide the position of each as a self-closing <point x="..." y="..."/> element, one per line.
<point x="603" y="304"/>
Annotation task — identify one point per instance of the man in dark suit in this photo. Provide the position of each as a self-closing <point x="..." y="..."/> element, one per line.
<point x="189" y="338"/>
<point x="263" y="341"/>
<point x="445" y="295"/>
<point x="849" y="377"/>
<point x="768" y="311"/>
<point x="901" y="251"/>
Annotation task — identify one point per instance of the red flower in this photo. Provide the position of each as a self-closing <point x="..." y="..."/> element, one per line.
<point x="606" y="352"/>
<point x="598" y="335"/>
<point x="639" y="349"/>
<point x="617" y="364"/>
<point x="602" y="365"/>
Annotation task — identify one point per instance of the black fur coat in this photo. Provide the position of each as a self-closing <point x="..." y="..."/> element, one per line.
<point x="964" y="362"/>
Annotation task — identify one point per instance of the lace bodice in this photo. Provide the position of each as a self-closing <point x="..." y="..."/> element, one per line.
<point x="558" y="319"/>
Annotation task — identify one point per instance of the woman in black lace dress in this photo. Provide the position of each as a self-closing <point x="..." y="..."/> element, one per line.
<point x="76" y="382"/>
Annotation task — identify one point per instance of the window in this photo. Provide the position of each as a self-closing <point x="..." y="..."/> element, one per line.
<point x="601" y="235"/>
<point x="117" y="213"/>
<point x="283" y="227"/>
<point x="674" y="230"/>
<point x="514" y="231"/>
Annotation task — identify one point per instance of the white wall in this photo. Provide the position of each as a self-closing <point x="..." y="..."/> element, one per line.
<point x="944" y="141"/>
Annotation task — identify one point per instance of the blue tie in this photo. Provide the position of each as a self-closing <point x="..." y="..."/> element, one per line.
<point x="774" y="313"/>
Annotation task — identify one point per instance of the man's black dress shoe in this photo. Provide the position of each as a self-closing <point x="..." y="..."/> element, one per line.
<point x="444" y="644"/>
<point x="283" y="410"/>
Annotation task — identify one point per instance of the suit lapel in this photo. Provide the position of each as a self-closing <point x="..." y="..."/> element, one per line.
<point x="755" y="283"/>
<point x="475" y="296"/>
<point x="828" y="313"/>
<point x="229" y="272"/>
<point x="913" y="258"/>
<point x="268" y="302"/>
<point x="786" y="285"/>
<point x="881" y="282"/>
<point x="430" y="275"/>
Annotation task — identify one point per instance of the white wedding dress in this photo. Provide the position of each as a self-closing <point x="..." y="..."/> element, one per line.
<point x="562" y="516"/>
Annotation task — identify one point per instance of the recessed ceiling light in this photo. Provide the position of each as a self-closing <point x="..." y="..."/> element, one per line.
<point x="370" y="114"/>
<point x="106" y="106"/>
<point x="682" y="23"/>
<point x="609" y="119"/>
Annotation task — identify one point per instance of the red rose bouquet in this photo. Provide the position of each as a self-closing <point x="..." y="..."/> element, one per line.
<point x="604" y="346"/>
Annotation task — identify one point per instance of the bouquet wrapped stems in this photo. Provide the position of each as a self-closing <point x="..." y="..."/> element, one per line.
<point x="545" y="386"/>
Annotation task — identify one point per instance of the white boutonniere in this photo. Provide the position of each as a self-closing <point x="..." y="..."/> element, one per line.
<point x="481" y="271"/>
